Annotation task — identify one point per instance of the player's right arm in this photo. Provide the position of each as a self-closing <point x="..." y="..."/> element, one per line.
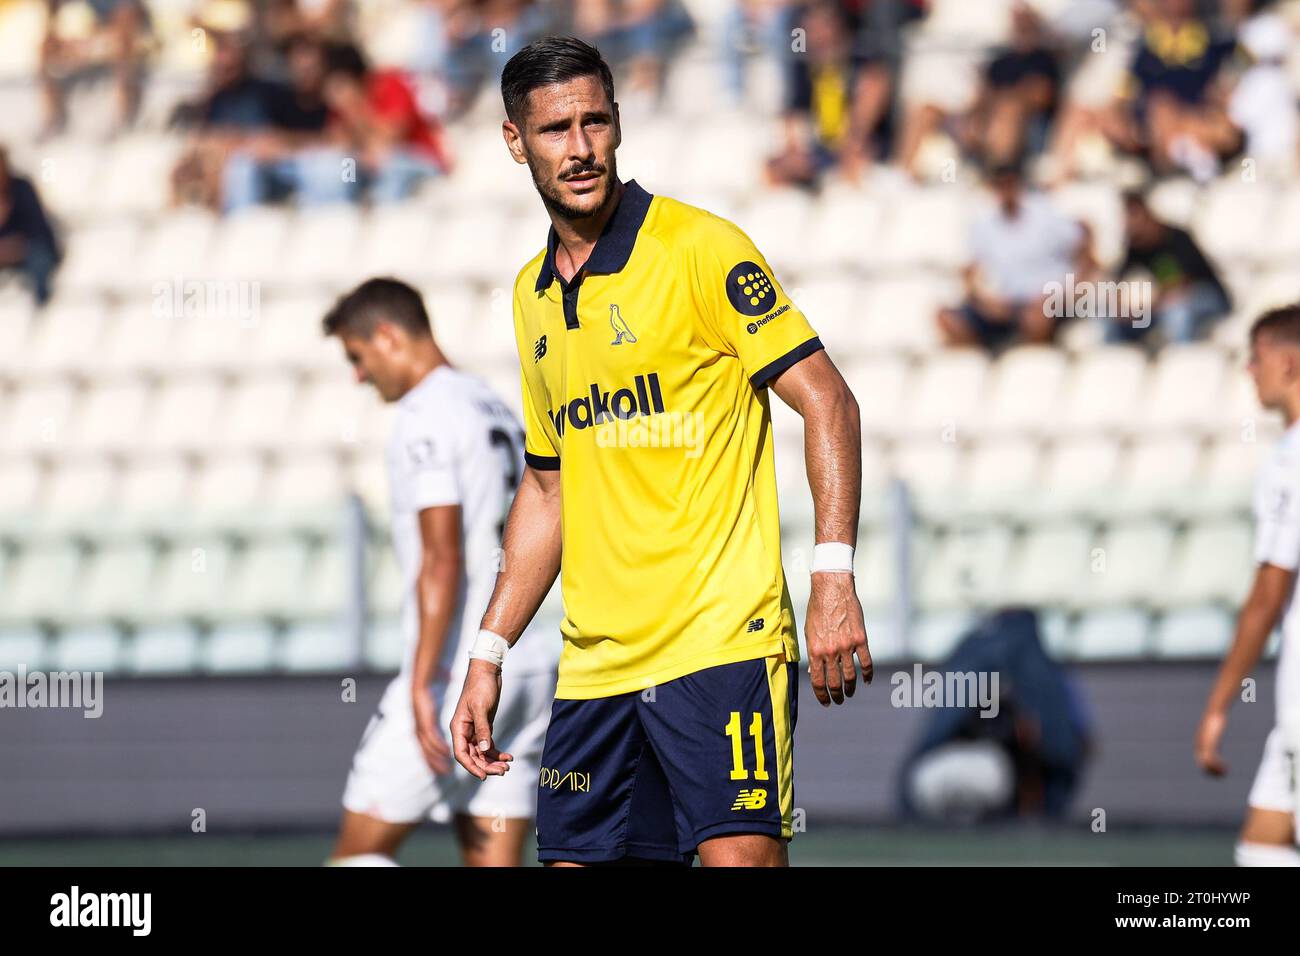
<point x="530" y="564"/>
<point x="1258" y="617"/>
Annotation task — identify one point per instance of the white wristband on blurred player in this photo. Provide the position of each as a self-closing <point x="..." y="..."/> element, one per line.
<point x="833" y="556"/>
<point x="489" y="647"/>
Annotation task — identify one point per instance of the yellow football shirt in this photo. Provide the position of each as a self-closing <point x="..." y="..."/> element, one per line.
<point x="644" y="384"/>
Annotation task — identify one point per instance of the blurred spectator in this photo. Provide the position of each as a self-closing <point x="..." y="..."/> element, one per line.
<point x="1021" y="246"/>
<point x="1170" y="108"/>
<point x="1018" y="96"/>
<point x="27" y="242"/>
<point x="1262" y="105"/>
<point x="1023" y="759"/>
<point x="1012" y="108"/>
<point x="637" y="35"/>
<point x="287" y="152"/>
<point x="84" y="37"/>
<point x="466" y="43"/>
<point x="1188" y="294"/>
<point x="240" y="110"/>
<point x="375" y="116"/>
<point x="838" y="101"/>
<point x="752" y="27"/>
<point x="328" y="20"/>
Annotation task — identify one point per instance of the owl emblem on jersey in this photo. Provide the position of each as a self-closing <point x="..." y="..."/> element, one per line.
<point x="622" y="331"/>
<point x="749" y="289"/>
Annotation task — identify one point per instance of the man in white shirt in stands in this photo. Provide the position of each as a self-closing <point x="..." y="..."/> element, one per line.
<point x="1268" y="836"/>
<point x="454" y="458"/>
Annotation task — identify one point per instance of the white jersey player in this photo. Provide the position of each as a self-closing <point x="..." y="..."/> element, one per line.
<point x="1268" y="837"/>
<point x="454" y="458"/>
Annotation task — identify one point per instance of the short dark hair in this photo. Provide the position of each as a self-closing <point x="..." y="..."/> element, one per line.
<point x="346" y="58"/>
<point x="376" y="300"/>
<point x="547" y="61"/>
<point x="1281" y="323"/>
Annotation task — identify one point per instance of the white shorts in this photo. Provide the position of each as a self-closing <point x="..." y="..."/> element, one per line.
<point x="1275" y="781"/>
<point x="390" y="779"/>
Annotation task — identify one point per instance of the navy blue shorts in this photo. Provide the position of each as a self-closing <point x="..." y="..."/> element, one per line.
<point x="652" y="774"/>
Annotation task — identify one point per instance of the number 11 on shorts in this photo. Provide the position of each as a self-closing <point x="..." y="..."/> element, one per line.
<point x="732" y="730"/>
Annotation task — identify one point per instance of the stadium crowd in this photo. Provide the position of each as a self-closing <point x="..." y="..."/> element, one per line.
<point x="291" y="108"/>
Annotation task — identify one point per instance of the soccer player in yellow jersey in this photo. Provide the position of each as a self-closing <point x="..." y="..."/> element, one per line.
<point x="650" y="334"/>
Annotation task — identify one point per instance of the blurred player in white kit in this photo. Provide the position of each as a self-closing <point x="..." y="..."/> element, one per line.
<point x="1268" y="836"/>
<point x="454" y="459"/>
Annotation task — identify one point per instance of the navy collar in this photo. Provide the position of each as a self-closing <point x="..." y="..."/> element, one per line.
<point x="614" y="247"/>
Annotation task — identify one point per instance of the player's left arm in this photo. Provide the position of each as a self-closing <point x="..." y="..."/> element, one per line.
<point x="437" y="585"/>
<point x="747" y="314"/>
<point x="834" y="631"/>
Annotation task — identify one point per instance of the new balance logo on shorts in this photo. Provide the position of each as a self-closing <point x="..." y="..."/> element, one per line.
<point x="755" y="799"/>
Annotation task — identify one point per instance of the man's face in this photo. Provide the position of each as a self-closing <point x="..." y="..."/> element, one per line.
<point x="377" y="359"/>
<point x="306" y="67"/>
<point x="1006" y="187"/>
<point x="567" y="137"/>
<point x="1141" y="226"/>
<point x="1274" y="366"/>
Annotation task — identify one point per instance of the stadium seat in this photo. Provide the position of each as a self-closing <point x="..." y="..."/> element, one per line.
<point x="926" y="228"/>
<point x="185" y="414"/>
<point x="251" y="245"/>
<point x="162" y="649"/>
<point x="323" y="247"/>
<point x="778" y="221"/>
<point x="1106" y="391"/>
<point x="1129" y="564"/>
<point x="383" y="644"/>
<point x="112" y="417"/>
<point x="95" y="254"/>
<point x="135" y="179"/>
<point x="1186" y="390"/>
<point x="138" y="343"/>
<point x="269" y="581"/>
<point x="192" y="583"/>
<point x="934" y="636"/>
<point x="947" y="396"/>
<point x="967" y="568"/>
<point x="1115" y="634"/>
<point x="899" y="314"/>
<point x="115" y="583"/>
<point x="176" y="249"/>
<point x="315" y="647"/>
<point x="1194" y="632"/>
<point x="239" y="648"/>
<point x="1050" y="565"/>
<point x="1025" y="392"/>
<point x="88" y="648"/>
<point x="1080" y="475"/>
<point x="845" y="231"/>
<point x="1232" y="217"/>
<point x="22" y="647"/>
<point x="68" y="339"/>
<point x="1002" y="475"/>
<point x="257" y="414"/>
<point x="1214" y="564"/>
<point x="880" y="386"/>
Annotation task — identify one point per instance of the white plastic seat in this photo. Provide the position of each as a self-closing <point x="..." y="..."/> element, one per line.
<point x="163" y="649"/>
<point x="251" y="244"/>
<point x="1187" y="388"/>
<point x="832" y="305"/>
<point x="1049" y="564"/>
<point x="1194" y="632"/>
<point x="1214" y="564"/>
<point x="947" y="399"/>
<point x="1026" y="391"/>
<point x="116" y="582"/>
<point x="41" y="419"/>
<point x="239" y="648"/>
<point x="36" y="588"/>
<point x="95" y="254"/>
<point x="112" y="417"/>
<point x="157" y="484"/>
<point x="323" y="245"/>
<point x="967" y="568"/>
<point x="1131" y="566"/>
<point x="777" y="221"/>
<point x="1080" y="472"/>
<point x="192" y="581"/>
<point x="136" y="175"/>
<point x="927" y="228"/>
<point x="88" y="648"/>
<point x="315" y="647"/>
<point x="1106" y="391"/>
<point x="1002" y="471"/>
<point x="397" y="240"/>
<point x="330" y="413"/>
<point x="900" y="314"/>
<point x="257" y="414"/>
<point x="881" y="387"/>
<point x="176" y="248"/>
<point x="85" y="488"/>
<point x="184" y="415"/>
<point x="22" y="647"/>
<point x="69" y="337"/>
<point x="21" y="485"/>
<point x="1232" y="217"/>
<point x="1122" y="633"/>
<point x="232" y="484"/>
<point x="845" y="231"/>
<point x="935" y="635"/>
<point x="136" y="342"/>
<point x="305" y="481"/>
<point x="269" y="580"/>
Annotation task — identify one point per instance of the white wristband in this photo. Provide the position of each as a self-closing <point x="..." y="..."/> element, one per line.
<point x="489" y="646"/>
<point x="833" y="556"/>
